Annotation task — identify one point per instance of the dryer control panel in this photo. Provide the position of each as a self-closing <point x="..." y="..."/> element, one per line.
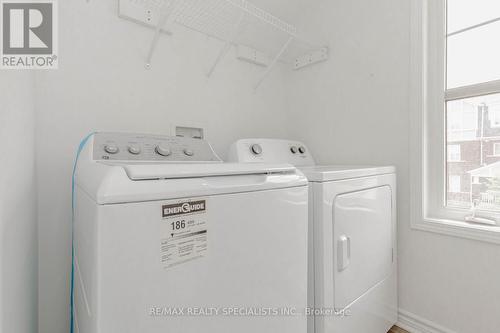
<point x="154" y="148"/>
<point x="270" y="151"/>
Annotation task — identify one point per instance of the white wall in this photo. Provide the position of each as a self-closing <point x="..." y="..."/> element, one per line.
<point x="355" y="109"/>
<point x="102" y="85"/>
<point x="352" y="109"/>
<point x="18" y="239"/>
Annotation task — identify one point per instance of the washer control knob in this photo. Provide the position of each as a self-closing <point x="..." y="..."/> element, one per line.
<point x="256" y="149"/>
<point x="302" y="149"/>
<point x="163" y="150"/>
<point x="188" y="152"/>
<point x="134" y="150"/>
<point x="111" y="149"/>
<point x="294" y="150"/>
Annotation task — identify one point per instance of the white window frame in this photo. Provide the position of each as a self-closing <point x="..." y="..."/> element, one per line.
<point x="428" y="124"/>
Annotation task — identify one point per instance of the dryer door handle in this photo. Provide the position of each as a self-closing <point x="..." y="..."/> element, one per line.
<point x="343" y="252"/>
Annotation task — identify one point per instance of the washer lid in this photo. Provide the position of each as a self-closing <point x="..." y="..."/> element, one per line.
<point x="339" y="172"/>
<point x="122" y="183"/>
<point x="174" y="171"/>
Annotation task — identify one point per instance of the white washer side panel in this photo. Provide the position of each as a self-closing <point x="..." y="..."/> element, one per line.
<point x="376" y="310"/>
<point x="256" y="257"/>
<point x="85" y="261"/>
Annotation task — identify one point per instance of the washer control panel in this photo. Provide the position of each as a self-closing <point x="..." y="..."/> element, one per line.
<point x="270" y="151"/>
<point x="144" y="147"/>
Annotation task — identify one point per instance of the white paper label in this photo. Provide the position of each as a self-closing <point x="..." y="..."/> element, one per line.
<point x="184" y="231"/>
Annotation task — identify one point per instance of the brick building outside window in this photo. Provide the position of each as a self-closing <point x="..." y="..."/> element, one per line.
<point x="473" y="152"/>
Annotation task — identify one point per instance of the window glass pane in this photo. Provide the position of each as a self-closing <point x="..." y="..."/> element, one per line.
<point x="473" y="56"/>
<point x="496" y="149"/>
<point x="454" y="184"/>
<point x="466" y="13"/>
<point x="454" y="153"/>
<point x="473" y="147"/>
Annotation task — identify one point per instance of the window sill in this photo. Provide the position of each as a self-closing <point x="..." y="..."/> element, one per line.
<point x="484" y="233"/>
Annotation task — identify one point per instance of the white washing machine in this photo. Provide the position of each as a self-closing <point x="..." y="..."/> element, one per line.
<point x="169" y="239"/>
<point x="352" y="252"/>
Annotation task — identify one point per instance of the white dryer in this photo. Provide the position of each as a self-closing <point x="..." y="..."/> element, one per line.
<point x="169" y="239"/>
<point x="352" y="244"/>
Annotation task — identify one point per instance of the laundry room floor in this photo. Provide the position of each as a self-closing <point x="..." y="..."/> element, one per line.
<point x="396" y="329"/>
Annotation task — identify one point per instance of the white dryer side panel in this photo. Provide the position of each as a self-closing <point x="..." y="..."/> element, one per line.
<point x="362" y="236"/>
<point x="354" y="254"/>
<point x="256" y="257"/>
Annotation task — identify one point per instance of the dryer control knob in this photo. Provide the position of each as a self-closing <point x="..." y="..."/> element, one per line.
<point x="294" y="150"/>
<point x="188" y="152"/>
<point x="134" y="150"/>
<point x="111" y="149"/>
<point x="302" y="149"/>
<point x="256" y="149"/>
<point x="163" y="150"/>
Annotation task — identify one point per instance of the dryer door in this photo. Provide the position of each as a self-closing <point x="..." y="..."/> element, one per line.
<point x="362" y="242"/>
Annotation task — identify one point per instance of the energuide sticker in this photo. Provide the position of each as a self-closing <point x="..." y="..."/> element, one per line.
<point x="184" y="231"/>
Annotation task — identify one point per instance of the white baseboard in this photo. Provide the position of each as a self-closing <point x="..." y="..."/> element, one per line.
<point x="415" y="324"/>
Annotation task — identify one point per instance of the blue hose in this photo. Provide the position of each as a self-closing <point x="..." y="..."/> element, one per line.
<point x="72" y="286"/>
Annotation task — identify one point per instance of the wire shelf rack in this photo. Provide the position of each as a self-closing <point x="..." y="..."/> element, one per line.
<point x="235" y="22"/>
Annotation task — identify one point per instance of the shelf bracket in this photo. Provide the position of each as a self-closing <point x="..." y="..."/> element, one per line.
<point x="165" y="18"/>
<point x="273" y="62"/>
<point x="311" y="58"/>
<point x="227" y="45"/>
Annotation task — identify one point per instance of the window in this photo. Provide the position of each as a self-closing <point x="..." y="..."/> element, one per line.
<point x="496" y="149"/>
<point x="454" y="153"/>
<point x="454" y="184"/>
<point x="455" y="100"/>
<point x="472" y="110"/>
<point x="494" y="114"/>
<point x="462" y="121"/>
<point x="473" y="50"/>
